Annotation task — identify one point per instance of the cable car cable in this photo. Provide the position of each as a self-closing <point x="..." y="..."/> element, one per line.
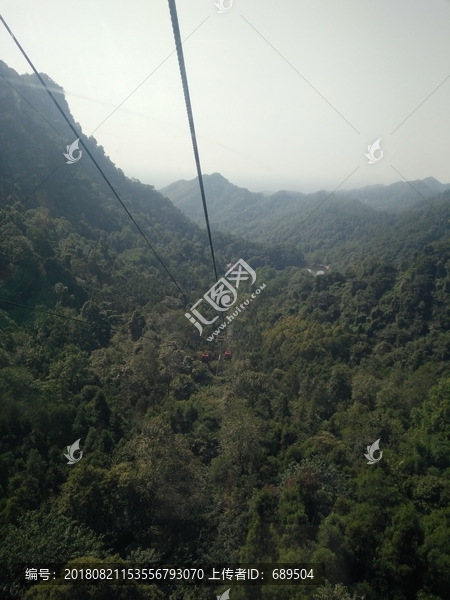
<point x="187" y="99"/>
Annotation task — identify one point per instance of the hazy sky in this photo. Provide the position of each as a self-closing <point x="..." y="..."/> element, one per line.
<point x="358" y="69"/>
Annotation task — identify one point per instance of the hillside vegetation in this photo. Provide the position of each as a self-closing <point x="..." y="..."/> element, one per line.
<point x="259" y="459"/>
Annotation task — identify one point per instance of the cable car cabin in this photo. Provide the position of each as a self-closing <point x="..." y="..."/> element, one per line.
<point x="227" y="355"/>
<point x="205" y="357"/>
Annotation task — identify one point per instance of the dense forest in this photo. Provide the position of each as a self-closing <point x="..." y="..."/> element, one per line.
<point x="259" y="459"/>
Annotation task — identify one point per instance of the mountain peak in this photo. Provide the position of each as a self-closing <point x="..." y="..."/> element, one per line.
<point x="217" y="177"/>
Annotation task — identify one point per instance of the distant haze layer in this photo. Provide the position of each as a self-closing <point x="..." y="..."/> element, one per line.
<point x="285" y="94"/>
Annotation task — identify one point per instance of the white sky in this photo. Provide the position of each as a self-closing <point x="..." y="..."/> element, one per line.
<point x="258" y="122"/>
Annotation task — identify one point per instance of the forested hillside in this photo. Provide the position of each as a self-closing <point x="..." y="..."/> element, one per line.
<point x="259" y="459"/>
<point x="384" y="221"/>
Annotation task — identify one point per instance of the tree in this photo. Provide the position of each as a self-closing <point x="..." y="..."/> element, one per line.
<point x="136" y="325"/>
<point x="240" y="436"/>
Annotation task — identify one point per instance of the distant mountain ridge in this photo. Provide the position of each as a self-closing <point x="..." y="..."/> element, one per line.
<point x="399" y="195"/>
<point x="384" y="220"/>
<point x="394" y="197"/>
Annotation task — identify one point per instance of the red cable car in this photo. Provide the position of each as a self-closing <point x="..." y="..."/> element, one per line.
<point x="205" y="357"/>
<point x="227" y="355"/>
